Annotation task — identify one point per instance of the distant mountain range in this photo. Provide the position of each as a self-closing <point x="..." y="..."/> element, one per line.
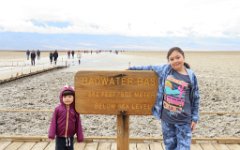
<point x="23" y="41"/>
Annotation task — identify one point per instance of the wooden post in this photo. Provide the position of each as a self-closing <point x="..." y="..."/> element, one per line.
<point x="122" y="131"/>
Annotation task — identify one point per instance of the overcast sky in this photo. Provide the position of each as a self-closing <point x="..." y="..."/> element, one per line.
<point x="136" y="24"/>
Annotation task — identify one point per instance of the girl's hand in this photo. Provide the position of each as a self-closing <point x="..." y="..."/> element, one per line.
<point x="193" y="125"/>
<point x="50" y="140"/>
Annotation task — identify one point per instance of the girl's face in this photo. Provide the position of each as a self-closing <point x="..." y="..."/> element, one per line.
<point x="176" y="60"/>
<point x="68" y="99"/>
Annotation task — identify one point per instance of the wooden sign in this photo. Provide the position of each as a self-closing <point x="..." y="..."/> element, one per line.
<point x="111" y="92"/>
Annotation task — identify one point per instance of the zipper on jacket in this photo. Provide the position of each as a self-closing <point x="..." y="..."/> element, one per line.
<point x="66" y="130"/>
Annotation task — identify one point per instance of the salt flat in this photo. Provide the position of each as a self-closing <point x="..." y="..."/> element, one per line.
<point x="218" y="74"/>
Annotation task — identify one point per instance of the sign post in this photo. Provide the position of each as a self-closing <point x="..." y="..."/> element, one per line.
<point x="122" y="131"/>
<point x="120" y="93"/>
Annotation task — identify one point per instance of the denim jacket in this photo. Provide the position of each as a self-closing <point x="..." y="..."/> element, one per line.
<point x="163" y="71"/>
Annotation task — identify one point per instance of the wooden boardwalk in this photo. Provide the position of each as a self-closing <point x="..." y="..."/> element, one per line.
<point x="105" y="145"/>
<point x="18" y="73"/>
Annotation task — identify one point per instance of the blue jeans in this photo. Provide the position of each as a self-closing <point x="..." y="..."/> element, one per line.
<point x="176" y="137"/>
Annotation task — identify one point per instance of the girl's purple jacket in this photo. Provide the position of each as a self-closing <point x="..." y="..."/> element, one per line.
<point x="59" y="127"/>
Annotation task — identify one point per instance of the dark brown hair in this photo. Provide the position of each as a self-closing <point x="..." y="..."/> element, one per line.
<point x="180" y="51"/>
<point x="68" y="92"/>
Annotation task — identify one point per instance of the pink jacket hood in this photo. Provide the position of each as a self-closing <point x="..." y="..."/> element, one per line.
<point x="67" y="88"/>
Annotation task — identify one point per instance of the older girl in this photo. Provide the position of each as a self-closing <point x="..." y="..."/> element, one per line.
<point x="177" y="103"/>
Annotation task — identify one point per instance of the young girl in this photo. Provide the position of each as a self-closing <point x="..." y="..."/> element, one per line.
<point x="65" y="121"/>
<point x="177" y="102"/>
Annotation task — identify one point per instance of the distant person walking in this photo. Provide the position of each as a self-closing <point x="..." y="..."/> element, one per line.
<point x="33" y="57"/>
<point x="69" y="54"/>
<point x="73" y="54"/>
<point x="38" y="54"/>
<point x="79" y="55"/>
<point x="28" y="53"/>
<point x="51" y="57"/>
<point x="55" y="56"/>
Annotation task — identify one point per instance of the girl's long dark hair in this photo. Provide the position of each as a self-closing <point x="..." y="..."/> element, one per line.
<point x="181" y="52"/>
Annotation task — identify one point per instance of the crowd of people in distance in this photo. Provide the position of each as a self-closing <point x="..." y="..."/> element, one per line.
<point x="53" y="55"/>
<point x="33" y="54"/>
